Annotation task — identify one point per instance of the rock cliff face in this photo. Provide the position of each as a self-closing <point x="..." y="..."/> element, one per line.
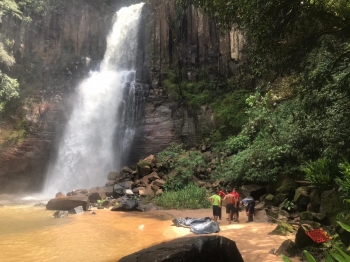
<point x="190" y="40"/>
<point x="55" y="53"/>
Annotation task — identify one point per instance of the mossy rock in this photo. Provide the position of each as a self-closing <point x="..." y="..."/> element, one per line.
<point x="288" y="248"/>
<point x="286" y="188"/>
<point x="269" y="197"/>
<point x="331" y="203"/>
<point x="301" y="199"/>
<point x="318" y="216"/>
<point x="283" y="229"/>
<point x="315" y="197"/>
<point x="306" y="215"/>
<point x="278" y="199"/>
<point x="302" y="195"/>
<point x="310" y="224"/>
<point x="269" y="200"/>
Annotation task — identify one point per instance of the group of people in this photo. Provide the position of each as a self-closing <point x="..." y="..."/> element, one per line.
<point x="232" y="201"/>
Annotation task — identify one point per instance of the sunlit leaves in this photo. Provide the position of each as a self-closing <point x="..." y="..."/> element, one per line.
<point x="8" y="90"/>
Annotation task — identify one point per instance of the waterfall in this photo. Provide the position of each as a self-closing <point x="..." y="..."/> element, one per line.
<point x="102" y="125"/>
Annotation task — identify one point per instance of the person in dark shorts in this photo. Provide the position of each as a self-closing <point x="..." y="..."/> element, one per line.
<point x="222" y="195"/>
<point x="236" y="195"/>
<point x="230" y="201"/>
<point x="249" y="204"/>
<point x="216" y="200"/>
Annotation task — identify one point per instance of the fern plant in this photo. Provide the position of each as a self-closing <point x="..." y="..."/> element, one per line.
<point x="320" y="173"/>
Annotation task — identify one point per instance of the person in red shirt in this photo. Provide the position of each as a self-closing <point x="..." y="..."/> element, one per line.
<point x="236" y="195"/>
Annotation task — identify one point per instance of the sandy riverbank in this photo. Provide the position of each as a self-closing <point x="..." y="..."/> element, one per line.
<point x="252" y="239"/>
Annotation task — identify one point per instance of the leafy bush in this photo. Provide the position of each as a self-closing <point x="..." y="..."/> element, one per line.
<point x="190" y="197"/>
<point x="338" y="255"/>
<point x="8" y="90"/>
<point x="344" y="182"/>
<point x="170" y="155"/>
<point x="320" y="173"/>
<point x="229" y="110"/>
<point x="238" y="143"/>
<point x="182" y="165"/>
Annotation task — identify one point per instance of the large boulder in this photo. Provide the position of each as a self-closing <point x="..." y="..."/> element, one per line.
<point x="288" y="248"/>
<point x="147" y="207"/>
<point x="302" y="198"/>
<point x="76" y="210"/>
<point x="118" y="189"/>
<point x="147" y="192"/>
<point x="143" y="170"/>
<point x="279" y="198"/>
<point x="93" y="197"/>
<point x="203" y="248"/>
<point x="331" y="204"/>
<point x="287" y="187"/>
<point x="68" y="203"/>
<point x="126" y="174"/>
<point x="125" y="204"/>
<point x="150" y="160"/>
<point x="150" y="178"/>
<point x="302" y="240"/>
<point x="112" y="175"/>
<point x="107" y="190"/>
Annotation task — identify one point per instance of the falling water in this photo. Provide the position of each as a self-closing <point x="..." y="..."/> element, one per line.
<point x="102" y="125"/>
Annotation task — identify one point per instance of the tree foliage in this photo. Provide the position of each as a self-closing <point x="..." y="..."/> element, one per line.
<point x="306" y="46"/>
<point x="281" y="33"/>
<point x="8" y="90"/>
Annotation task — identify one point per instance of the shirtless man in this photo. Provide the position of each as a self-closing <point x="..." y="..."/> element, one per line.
<point x="230" y="201"/>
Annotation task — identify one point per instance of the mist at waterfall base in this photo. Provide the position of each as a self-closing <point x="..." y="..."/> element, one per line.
<point x="101" y="128"/>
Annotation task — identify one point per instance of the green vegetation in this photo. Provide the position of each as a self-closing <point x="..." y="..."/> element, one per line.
<point x="8" y="90"/>
<point x="227" y="102"/>
<point x="143" y="163"/>
<point x="190" y="197"/>
<point x="181" y="165"/>
<point x="336" y="255"/>
<point x="296" y="123"/>
<point x="344" y="182"/>
<point x="320" y="173"/>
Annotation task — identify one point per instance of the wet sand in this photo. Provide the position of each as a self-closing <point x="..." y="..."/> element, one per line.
<point x="109" y="236"/>
<point x="252" y="239"/>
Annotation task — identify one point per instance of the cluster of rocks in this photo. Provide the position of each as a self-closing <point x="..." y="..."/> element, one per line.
<point x="298" y="207"/>
<point x="146" y="179"/>
<point x="128" y="189"/>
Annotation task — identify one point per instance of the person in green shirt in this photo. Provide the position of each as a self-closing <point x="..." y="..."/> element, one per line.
<point x="216" y="200"/>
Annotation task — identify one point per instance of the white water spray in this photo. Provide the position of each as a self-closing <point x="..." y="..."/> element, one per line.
<point x="86" y="152"/>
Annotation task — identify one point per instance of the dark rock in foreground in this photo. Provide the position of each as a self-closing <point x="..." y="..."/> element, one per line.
<point x="203" y="248"/>
<point x="68" y="203"/>
<point x="288" y="248"/>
